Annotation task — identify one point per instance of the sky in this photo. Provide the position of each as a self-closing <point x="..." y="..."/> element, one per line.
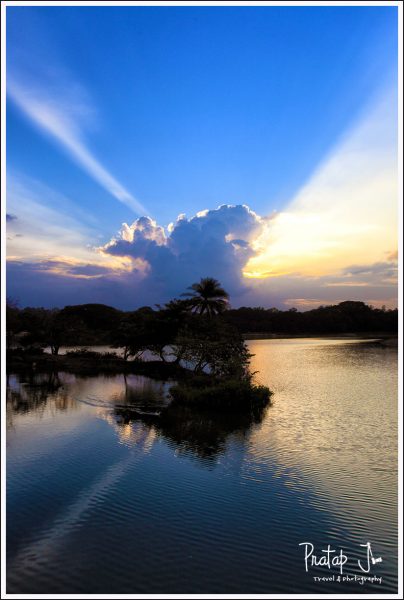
<point x="148" y="147"/>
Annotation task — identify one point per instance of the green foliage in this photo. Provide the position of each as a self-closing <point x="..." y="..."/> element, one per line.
<point x="131" y="333"/>
<point x="41" y="327"/>
<point x="85" y="353"/>
<point x="222" y="394"/>
<point x="83" y="324"/>
<point x="345" y="317"/>
<point x="210" y="345"/>
<point x="89" y="323"/>
<point x="12" y="321"/>
<point x="207" y="297"/>
<point x="92" y="324"/>
<point x="153" y="330"/>
<point x="142" y="330"/>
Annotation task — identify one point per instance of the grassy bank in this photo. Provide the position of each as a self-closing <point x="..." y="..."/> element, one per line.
<point x="91" y="363"/>
<point x="225" y="394"/>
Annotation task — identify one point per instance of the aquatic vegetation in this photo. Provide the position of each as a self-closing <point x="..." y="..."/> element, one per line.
<point x="223" y="395"/>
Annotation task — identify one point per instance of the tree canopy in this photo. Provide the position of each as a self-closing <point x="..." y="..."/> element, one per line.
<point x="207" y="297"/>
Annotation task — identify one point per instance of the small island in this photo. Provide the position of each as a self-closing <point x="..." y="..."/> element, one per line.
<point x="188" y="340"/>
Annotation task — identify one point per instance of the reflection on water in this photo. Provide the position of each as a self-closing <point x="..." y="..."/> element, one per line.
<point x="36" y="394"/>
<point x="203" y="433"/>
<point x="113" y="489"/>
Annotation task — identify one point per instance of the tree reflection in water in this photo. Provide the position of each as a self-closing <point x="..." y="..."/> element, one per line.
<point x="142" y="393"/>
<point x="36" y="393"/>
<point x="134" y="401"/>
<point x="204" y="433"/>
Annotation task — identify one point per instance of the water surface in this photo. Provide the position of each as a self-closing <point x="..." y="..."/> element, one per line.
<point x="112" y="490"/>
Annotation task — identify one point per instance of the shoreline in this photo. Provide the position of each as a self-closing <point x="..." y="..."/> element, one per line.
<point x="337" y="336"/>
<point x="97" y="364"/>
<point x="94" y="365"/>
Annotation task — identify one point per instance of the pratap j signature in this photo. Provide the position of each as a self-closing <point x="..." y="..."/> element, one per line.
<point x="330" y="558"/>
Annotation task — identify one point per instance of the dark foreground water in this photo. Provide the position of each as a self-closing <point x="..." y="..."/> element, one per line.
<point x="106" y="500"/>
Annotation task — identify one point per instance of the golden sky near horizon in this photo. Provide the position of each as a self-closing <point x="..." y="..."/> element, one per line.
<point x="345" y="214"/>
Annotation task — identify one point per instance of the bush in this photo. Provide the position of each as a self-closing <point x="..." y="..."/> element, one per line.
<point x="228" y="394"/>
<point x="85" y="353"/>
<point x="25" y="351"/>
<point x="208" y="345"/>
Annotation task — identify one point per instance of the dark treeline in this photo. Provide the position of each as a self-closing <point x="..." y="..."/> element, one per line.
<point x="94" y="324"/>
<point x="345" y="317"/>
<point x="83" y="324"/>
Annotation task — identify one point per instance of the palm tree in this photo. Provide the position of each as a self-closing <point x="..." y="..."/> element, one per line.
<point x="207" y="297"/>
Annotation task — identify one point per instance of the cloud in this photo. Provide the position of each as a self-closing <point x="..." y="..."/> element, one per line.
<point x="70" y="269"/>
<point x="147" y="264"/>
<point x="63" y="281"/>
<point x="53" y="235"/>
<point x="303" y="304"/>
<point x="48" y="223"/>
<point x="62" y="113"/>
<point x="374" y="283"/>
<point x="382" y="272"/>
<point x="10" y="217"/>
<point x="215" y="243"/>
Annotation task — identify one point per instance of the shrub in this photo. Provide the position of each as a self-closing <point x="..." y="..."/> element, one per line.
<point x="227" y="394"/>
<point x="209" y="345"/>
<point x="85" y="353"/>
<point x="25" y="351"/>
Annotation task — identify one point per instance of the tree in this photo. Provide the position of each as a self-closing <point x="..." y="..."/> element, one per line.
<point x="54" y="330"/>
<point x="51" y="328"/>
<point x="12" y="321"/>
<point x="213" y="346"/>
<point x="93" y="323"/>
<point x="207" y="297"/>
<point x="132" y="333"/>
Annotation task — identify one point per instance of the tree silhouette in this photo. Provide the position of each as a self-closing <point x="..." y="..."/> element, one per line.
<point x="207" y="297"/>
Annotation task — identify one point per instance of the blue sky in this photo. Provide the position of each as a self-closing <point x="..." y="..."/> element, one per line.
<point x="118" y="112"/>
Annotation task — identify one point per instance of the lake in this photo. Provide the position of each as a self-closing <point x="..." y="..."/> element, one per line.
<point x="102" y="499"/>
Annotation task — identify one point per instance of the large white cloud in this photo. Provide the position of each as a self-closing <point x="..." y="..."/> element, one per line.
<point x="216" y="243"/>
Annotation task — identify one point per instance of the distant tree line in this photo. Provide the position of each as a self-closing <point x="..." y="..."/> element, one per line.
<point x="345" y="317"/>
<point x="196" y="324"/>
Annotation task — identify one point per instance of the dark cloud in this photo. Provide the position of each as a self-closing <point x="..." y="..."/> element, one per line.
<point x="35" y="286"/>
<point x="66" y="268"/>
<point x="376" y="272"/>
<point x="216" y="243"/>
<point x="52" y="283"/>
<point x="10" y="217"/>
<point x="375" y="284"/>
